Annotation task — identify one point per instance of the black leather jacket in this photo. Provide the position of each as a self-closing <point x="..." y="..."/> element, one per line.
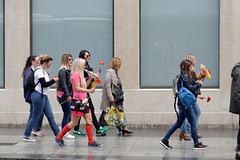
<point x="64" y="82"/>
<point x="235" y="90"/>
<point x="87" y="67"/>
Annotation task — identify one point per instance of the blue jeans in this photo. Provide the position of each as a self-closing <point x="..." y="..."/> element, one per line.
<point x="38" y="125"/>
<point x="184" y="113"/>
<point x="66" y="108"/>
<point x="41" y="104"/>
<point x="186" y="125"/>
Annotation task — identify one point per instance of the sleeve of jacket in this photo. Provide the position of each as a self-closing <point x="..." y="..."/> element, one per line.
<point x="189" y="85"/>
<point x="236" y="88"/>
<point x="63" y="82"/>
<point x="107" y="85"/>
<point x="26" y="75"/>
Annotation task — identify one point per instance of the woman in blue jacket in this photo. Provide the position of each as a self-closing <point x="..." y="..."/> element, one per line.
<point x="191" y="85"/>
<point x="32" y="63"/>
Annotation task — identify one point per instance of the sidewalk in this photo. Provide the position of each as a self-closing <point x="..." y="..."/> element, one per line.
<point x="143" y="144"/>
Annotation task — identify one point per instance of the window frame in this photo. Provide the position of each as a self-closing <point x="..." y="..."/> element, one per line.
<point x="3" y="38"/>
<point x="31" y="35"/>
<point x="170" y="87"/>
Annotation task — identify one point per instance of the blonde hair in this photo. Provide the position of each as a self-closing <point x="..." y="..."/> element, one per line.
<point x="44" y="58"/>
<point x="190" y="57"/>
<point x="64" y="62"/>
<point x="115" y="64"/>
<point x="77" y="66"/>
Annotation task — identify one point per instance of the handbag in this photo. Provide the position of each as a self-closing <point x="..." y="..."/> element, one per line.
<point x="186" y="97"/>
<point x="114" y="116"/>
<point x="118" y="96"/>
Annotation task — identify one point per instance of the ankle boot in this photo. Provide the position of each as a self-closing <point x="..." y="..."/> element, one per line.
<point x="184" y="136"/>
<point x="198" y="135"/>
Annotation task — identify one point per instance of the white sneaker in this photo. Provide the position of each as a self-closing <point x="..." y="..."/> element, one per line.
<point x="29" y="139"/>
<point x="68" y="135"/>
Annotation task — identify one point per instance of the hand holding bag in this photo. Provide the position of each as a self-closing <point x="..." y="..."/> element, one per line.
<point x="186" y="97"/>
<point x="114" y="116"/>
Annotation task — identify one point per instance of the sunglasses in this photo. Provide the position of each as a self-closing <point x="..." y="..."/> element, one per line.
<point x="70" y="59"/>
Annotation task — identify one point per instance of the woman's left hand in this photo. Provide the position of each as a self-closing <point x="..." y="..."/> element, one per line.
<point x="90" y="75"/>
<point x="55" y="79"/>
<point x="69" y="98"/>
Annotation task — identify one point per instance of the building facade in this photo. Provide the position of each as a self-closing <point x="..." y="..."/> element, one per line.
<point x="145" y="105"/>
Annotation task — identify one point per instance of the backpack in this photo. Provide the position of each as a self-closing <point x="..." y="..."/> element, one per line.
<point x="174" y="85"/>
<point x="186" y="97"/>
<point x="29" y="86"/>
<point x="175" y="92"/>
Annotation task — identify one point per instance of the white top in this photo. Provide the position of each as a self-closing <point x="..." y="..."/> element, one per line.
<point x="40" y="73"/>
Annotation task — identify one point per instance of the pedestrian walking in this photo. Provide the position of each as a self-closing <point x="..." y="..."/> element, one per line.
<point x="40" y="99"/>
<point x="79" y="104"/>
<point x="192" y="86"/>
<point x="113" y="83"/>
<point x="186" y="127"/>
<point x="64" y="90"/>
<point x="32" y="63"/>
<point x="100" y="130"/>
<point x="235" y="101"/>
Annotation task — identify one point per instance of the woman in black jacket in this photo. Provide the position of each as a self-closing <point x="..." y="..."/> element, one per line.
<point x="192" y="86"/>
<point x="64" y="90"/>
<point x="235" y="100"/>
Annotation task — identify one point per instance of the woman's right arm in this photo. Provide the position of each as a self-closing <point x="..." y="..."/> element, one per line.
<point x="80" y="89"/>
<point x="46" y="84"/>
<point x="189" y="85"/>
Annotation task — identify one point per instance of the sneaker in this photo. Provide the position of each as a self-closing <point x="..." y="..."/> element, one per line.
<point x="200" y="146"/>
<point x="102" y="130"/>
<point x="79" y="132"/>
<point x="37" y="133"/>
<point x="95" y="144"/>
<point x="29" y="139"/>
<point x="237" y="156"/>
<point x="68" y="135"/>
<point x="237" y="151"/>
<point x="60" y="142"/>
<point x="165" y="144"/>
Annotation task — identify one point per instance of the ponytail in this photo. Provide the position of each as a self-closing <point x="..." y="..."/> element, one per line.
<point x="28" y="63"/>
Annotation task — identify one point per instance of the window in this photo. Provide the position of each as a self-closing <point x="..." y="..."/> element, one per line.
<point x="60" y="26"/>
<point x="170" y="29"/>
<point x="1" y="45"/>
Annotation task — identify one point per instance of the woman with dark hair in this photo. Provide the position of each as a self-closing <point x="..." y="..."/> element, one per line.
<point x="64" y="90"/>
<point x="40" y="99"/>
<point x="186" y="127"/>
<point x="192" y="86"/>
<point x="32" y="63"/>
<point x="100" y="130"/>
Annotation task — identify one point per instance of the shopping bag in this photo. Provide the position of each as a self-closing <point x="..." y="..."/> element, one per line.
<point x="114" y="116"/>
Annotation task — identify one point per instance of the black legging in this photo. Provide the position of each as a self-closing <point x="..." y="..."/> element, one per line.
<point x="238" y="137"/>
<point x="94" y="119"/>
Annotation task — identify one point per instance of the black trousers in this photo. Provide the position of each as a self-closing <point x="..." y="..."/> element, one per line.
<point x="238" y="137"/>
<point x="94" y="118"/>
